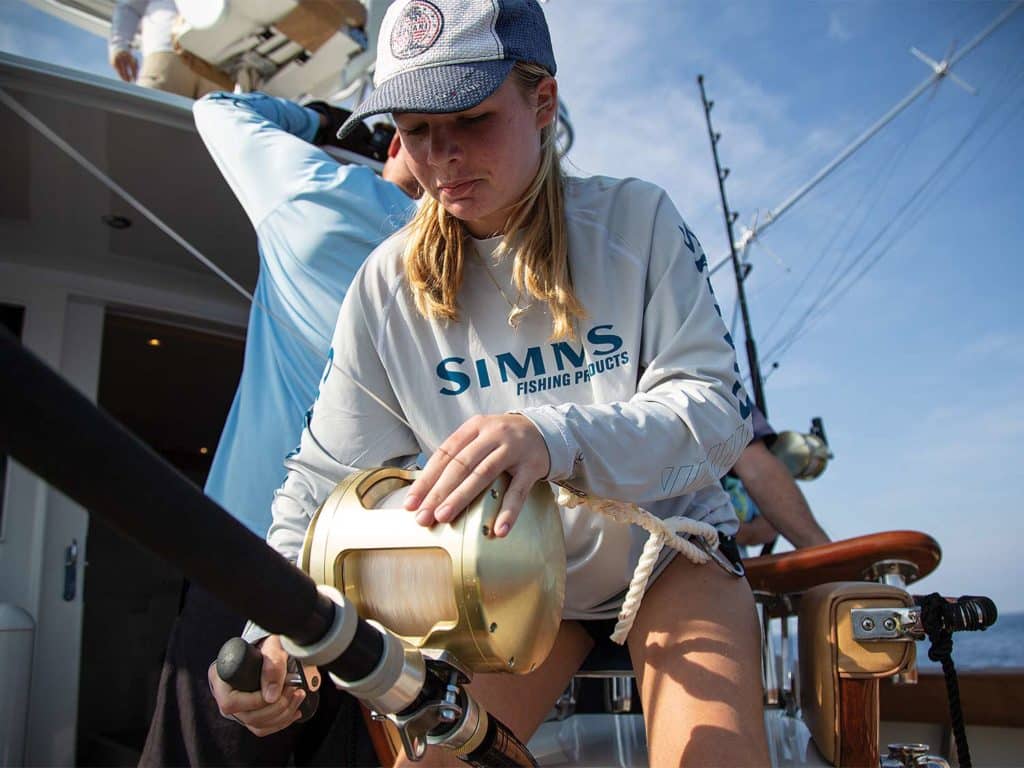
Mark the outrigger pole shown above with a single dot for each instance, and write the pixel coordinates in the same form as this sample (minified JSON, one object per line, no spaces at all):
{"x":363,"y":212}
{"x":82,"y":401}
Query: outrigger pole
{"x":730,"y":218}
{"x":55,"y":432}
{"x":940,"y":70}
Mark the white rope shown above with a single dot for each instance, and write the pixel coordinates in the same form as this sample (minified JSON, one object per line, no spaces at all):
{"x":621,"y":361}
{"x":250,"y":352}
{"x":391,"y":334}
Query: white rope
{"x":663,"y":533}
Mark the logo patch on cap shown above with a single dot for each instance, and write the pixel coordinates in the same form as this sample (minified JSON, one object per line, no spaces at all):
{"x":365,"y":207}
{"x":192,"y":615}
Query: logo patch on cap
{"x":416,"y":29}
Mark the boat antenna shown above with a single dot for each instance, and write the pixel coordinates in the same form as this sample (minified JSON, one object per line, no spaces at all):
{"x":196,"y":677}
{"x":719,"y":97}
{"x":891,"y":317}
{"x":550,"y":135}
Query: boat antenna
{"x":940,"y":70}
{"x":730,"y":217}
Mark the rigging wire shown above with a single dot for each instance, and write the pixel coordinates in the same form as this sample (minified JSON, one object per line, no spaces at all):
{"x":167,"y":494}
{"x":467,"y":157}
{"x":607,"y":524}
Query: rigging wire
{"x":876,"y":184}
{"x":893,"y":164}
{"x":994,"y":102}
{"x":940,"y":70}
{"x":915,"y":217}
{"x":835,"y":291}
{"x":835,"y":184}
{"x":929,"y":200}
{"x":735,"y":314}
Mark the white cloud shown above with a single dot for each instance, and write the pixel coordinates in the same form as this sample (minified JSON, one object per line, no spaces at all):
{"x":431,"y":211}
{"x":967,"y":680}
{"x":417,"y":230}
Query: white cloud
{"x":870,"y":366}
{"x":994,"y":348}
{"x":951,"y":472}
{"x":637,"y":112}
{"x":837,"y":28}
{"x":799,"y":374}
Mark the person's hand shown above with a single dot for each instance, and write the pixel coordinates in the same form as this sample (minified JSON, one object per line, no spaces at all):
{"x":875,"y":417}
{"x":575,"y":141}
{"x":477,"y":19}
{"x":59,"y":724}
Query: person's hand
{"x":470,"y":459}
{"x":125,"y":65}
{"x":268,"y":710}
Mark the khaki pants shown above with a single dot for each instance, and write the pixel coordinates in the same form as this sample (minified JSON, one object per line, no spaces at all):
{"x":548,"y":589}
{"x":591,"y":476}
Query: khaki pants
{"x":165,"y":71}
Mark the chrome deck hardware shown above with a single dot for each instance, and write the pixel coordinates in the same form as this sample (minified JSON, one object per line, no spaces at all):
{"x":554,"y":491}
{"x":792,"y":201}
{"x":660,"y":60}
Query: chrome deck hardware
{"x":912,"y":756}
{"x":877,"y":624}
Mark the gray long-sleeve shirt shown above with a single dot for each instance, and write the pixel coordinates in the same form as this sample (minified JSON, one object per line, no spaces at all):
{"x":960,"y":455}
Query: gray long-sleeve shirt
{"x":646,"y":406}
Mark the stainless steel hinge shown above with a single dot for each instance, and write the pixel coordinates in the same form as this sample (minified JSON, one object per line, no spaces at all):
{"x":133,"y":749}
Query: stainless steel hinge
{"x":875,"y":624}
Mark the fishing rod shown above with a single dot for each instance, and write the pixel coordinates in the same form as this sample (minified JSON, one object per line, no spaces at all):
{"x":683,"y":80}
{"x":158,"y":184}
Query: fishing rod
{"x":57,"y":433}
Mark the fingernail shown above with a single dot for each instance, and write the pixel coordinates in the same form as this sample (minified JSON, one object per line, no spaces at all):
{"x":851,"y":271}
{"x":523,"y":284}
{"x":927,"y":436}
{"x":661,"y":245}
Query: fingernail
{"x":412,"y":501}
{"x":424,"y":517}
{"x":502,"y":529}
{"x":271,"y":694}
{"x":443,"y":514}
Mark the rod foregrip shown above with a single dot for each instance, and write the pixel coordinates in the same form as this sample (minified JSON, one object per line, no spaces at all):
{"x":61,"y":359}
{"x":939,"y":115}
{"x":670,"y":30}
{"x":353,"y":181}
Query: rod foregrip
{"x":240,"y":665}
{"x":500,"y":748}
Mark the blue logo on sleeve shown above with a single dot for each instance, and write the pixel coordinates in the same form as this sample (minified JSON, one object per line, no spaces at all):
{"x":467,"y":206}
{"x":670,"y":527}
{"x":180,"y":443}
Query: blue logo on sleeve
{"x":743,"y":403}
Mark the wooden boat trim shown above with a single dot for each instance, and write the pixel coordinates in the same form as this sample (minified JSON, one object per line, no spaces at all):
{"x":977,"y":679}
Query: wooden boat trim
{"x":858,"y":722}
{"x":848,"y":560}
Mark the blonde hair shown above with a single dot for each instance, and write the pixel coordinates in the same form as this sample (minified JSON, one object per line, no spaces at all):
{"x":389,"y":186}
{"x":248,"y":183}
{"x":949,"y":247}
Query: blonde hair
{"x":535,"y":232}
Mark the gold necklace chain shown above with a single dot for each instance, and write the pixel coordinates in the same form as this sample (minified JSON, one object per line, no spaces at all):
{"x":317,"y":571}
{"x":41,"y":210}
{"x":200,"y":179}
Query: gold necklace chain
{"x":517,"y":310}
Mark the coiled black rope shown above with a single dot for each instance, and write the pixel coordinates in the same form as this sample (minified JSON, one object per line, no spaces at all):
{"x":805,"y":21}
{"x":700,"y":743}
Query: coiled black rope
{"x":940,"y":619}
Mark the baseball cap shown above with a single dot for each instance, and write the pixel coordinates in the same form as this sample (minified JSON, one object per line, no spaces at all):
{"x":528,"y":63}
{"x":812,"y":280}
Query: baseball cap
{"x":438,"y":56}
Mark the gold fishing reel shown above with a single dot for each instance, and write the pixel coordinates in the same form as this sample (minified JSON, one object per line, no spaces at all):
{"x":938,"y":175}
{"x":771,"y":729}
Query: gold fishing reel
{"x":805,"y":455}
{"x":495,"y":604}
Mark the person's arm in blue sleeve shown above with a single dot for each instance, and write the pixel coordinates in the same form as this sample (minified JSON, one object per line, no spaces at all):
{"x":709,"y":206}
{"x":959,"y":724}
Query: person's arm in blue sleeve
{"x":261,"y":144}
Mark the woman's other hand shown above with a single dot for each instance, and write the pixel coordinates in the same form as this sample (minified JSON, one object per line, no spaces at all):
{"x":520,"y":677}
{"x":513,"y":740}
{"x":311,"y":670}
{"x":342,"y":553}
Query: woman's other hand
{"x":470,"y":459}
{"x":268,"y":710}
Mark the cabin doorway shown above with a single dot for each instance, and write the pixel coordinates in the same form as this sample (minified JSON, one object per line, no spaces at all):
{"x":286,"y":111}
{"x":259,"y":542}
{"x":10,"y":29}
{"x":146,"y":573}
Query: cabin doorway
{"x":12,"y":317}
{"x":171,"y":383}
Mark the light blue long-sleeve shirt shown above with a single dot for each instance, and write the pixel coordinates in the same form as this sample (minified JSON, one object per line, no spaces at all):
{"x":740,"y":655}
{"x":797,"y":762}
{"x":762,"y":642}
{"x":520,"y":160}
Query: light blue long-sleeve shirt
{"x":316,"y":222}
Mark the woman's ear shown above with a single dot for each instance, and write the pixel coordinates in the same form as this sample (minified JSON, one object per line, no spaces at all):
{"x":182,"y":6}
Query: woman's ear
{"x":547,"y":101}
{"x":396,"y":145}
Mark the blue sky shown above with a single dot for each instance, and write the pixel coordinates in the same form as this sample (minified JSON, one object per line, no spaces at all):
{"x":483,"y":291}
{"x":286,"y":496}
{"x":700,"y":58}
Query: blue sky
{"x":917,"y":368}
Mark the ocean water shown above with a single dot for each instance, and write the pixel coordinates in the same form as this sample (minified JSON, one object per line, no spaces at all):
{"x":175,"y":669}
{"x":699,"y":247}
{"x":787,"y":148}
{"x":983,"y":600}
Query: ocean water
{"x":1001,"y":645}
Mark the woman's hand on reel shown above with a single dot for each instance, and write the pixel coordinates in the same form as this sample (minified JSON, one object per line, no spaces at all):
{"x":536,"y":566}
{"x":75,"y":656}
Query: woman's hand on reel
{"x":268,"y":710}
{"x":470,"y":459}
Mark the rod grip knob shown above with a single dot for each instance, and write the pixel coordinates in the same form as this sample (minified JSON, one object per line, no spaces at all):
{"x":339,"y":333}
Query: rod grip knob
{"x":240,"y":665}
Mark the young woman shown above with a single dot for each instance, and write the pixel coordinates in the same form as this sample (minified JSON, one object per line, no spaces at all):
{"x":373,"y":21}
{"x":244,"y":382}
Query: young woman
{"x":556,"y":329}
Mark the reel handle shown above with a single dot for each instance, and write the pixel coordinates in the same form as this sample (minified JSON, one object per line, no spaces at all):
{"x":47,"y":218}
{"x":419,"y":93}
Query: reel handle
{"x":240,"y":665}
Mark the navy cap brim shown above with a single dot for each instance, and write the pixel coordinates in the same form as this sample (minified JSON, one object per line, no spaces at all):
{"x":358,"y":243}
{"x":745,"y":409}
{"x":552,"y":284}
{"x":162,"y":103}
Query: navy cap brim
{"x":433,"y":90}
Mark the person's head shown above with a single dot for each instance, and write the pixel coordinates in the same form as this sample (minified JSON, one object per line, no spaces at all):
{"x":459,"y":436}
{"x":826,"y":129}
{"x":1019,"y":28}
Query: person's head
{"x":470,"y":85}
{"x":396,"y":169}
{"x":479,"y":163}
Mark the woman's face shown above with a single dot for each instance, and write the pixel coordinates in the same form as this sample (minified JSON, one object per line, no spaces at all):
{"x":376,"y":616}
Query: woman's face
{"x":478,"y":163}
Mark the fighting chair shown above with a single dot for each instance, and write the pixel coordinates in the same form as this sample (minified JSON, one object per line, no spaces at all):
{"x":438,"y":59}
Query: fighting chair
{"x":834,"y":685}
{"x":838,"y":592}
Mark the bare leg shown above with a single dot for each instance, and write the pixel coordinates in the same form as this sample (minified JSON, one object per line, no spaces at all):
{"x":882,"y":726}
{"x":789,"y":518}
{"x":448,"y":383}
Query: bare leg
{"x":695,"y":649}
{"x":522,"y":701}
